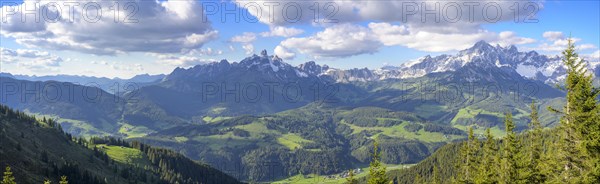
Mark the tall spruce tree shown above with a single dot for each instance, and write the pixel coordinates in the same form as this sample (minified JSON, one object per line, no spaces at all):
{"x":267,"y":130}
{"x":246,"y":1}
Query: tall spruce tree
{"x":534,"y":169}
{"x":8,"y":177}
{"x":488,"y":169}
{"x":470,"y":163}
{"x":376,"y":168}
{"x":578,"y":145}
{"x":510,"y":166}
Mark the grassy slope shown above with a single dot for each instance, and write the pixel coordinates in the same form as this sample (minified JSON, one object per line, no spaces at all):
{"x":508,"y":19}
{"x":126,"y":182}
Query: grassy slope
{"x":292,"y":141}
{"x":126,"y":155}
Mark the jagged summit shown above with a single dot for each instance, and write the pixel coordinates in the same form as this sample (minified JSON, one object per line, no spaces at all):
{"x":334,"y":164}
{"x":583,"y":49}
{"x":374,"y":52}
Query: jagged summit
{"x":313,"y":68}
{"x":481,"y":46}
{"x":263,"y":53}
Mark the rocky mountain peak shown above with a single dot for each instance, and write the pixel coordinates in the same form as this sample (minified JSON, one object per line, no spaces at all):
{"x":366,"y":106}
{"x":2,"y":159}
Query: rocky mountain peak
{"x":263,"y":53}
{"x":313,"y":68}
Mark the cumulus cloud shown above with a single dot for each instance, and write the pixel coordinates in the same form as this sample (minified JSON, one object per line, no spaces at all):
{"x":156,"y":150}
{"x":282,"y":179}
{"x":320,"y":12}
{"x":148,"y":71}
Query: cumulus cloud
{"x":205,"y":52}
{"x":33,"y":60}
{"x":595,"y":56}
{"x":134,"y":67}
{"x":31,"y":53}
{"x":422,"y":40}
{"x":553,"y":35}
{"x":7,"y":56}
{"x":452,"y":16}
{"x":249,"y":48}
{"x":245,"y":37}
{"x":246,"y":40}
{"x":282,"y":32}
{"x":506,"y":38}
{"x":556,"y":42}
{"x":156,"y":26}
{"x":342,"y":40}
{"x":348,"y":40}
{"x":181,"y":61}
{"x":284,"y":53}
{"x":30,"y":58}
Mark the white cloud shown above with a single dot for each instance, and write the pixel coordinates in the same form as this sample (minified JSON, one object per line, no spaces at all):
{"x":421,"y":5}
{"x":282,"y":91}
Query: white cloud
{"x":181,"y":61}
{"x":31,"y":59}
{"x":553,"y":35}
{"x":8,"y":52}
{"x":595,"y":56}
{"x":134,"y":67}
{"x":388,"y":29}
{"x":157,"y":26}
{"x":246,"y":40}
{"x":8,"y":55}
{"x":40,"y":63}
{"x":245,"y":37}
{"x":284,"y":53}
{"x":422,"y":40}
{"x":31,"y":53}
{"x":452,"y":16}
{"x":507,"y":38}
{"x":205,"y":52}
{"x":556,"y":42}
{"x":348,"y":40}
{"x":342,"y":40}
{"x":282,"y":32}
{"x":249,"y":48}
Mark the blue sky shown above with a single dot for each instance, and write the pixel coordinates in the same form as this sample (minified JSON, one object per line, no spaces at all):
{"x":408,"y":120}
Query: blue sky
{"x":371,"y":34}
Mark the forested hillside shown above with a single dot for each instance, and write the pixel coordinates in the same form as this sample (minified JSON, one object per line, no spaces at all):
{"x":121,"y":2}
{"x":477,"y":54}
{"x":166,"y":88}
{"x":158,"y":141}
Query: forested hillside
{"x":36,"y":150}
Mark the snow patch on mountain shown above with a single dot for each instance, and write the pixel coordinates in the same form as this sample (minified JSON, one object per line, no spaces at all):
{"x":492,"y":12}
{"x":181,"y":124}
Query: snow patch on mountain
{"x":527,"y":70}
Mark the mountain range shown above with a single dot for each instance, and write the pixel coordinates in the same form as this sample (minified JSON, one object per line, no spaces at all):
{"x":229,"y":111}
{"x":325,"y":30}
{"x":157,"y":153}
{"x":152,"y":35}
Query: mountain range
{"x":262,"y":109}
{"x":110,"y":85}
{"x":531,"y":64}
{"x":548,"y":69}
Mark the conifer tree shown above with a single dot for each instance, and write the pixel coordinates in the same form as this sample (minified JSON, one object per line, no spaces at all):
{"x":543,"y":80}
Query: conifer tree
{"x":578,"y":145}
{"x":469,"y":152}
{"x":534,"y":169}
{"x":509,"y":169}
{"x":488,"y":169}
{"x":8,"y":177}
{"x":376,"y":168}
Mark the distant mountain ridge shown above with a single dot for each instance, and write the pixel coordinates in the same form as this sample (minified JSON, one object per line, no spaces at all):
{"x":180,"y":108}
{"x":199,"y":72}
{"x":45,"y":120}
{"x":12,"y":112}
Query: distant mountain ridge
{"x":104,"y":83}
